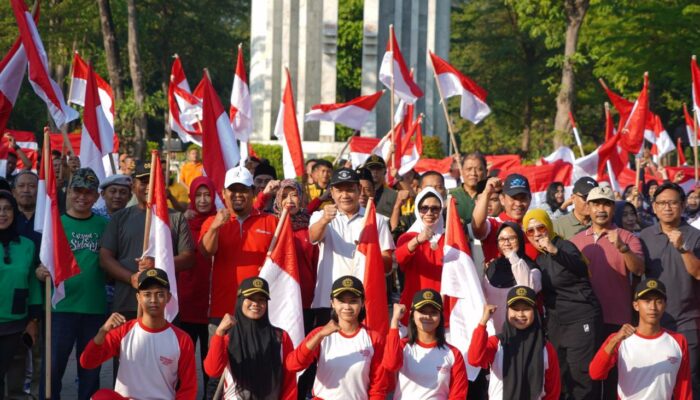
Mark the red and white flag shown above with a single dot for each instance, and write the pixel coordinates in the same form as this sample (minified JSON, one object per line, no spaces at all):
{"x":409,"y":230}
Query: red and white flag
{"x":241,"y":110}
{"x":281,"y":271}
{"x":352,"y":114}
{"x":184,"y":109}
{"x":662,"y":143}
{"x":160,"y":243}
{"x":55,"y":252}
{"x":577,"y":137}
{"x":411,"y":150}
{"x":39,"y":78}
{"x":78,"y":84}
{"x":596,"y":163}
{"x":681,"y":155}
{"x":361,"y":148}
{"x":689,"y":127}
{"x":27,"y":144}
{"x":370,"y":265}
{"x":695,"y":75}
{"x":287,"y":132}
{"x":632,"y":133}
{"x":461,"y":283}
{"x":97,"y":137}
{"x":624,"y":107}
{"x":219,"y":148}
{"x":12,"y":68}
{"x":453,"y":83}
{"x":394,"y":68}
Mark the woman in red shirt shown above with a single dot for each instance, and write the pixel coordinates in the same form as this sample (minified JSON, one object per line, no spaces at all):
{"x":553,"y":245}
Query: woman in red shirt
{"x":419,"y":250}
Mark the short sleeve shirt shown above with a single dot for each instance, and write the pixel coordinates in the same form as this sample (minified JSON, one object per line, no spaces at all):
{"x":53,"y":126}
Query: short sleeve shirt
{"x":567,"y":226}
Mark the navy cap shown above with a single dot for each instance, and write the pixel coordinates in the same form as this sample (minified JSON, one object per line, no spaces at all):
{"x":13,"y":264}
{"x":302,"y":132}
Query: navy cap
{"x":344,"y":175}
{"x":516,"y":184}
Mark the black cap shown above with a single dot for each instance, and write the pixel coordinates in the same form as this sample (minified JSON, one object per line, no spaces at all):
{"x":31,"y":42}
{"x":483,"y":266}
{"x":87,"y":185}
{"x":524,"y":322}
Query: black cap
{"x":649,"y":285}
{"x":264,"y":168}
{"x":364,"y":174}
{"x":154,"y":275}
{"x":142,"y":170}
{"x":254,"y":285}
{"x":426,"y":297}
{"x":521,"y":293}
{"x":584,"y":185}
{"x":344,"y":175}
{"x":516,"y":184}
{"x":347,"y":283}
{"x":375,"y":161}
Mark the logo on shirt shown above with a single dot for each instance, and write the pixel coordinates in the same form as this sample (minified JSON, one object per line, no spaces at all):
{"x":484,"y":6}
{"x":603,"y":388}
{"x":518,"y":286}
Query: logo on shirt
{"x":165,"y":360}
{"x":586,"y":328}
{"x":364,"y":353}
{"x":672,"y":359}
{"x":263,"y":232}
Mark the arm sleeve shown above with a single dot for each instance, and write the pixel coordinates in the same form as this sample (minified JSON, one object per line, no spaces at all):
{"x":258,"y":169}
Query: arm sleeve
{"x":570,"y":257}
{"x":536,"y":280}
{"x":313,"y":205}
{"x":386,"y":241}
{"x":683,"y":389}
{"x":552,"y":378}
{"x":521,"y":271}
{"x":94,"y":355}
{"x":205,"y":227}
{"x":184,"y":237}
{"x":403,"y":256}
{"x":482,"y":348}
{"x":289,"y":378}
{"x":393,"y":352}
{"x":315,"y":217}
{"x":186,"y":370}
{"x":459,"y":383}
{"x":110,"y":236}
{"x":602,"y":362}
{"x":216,"y":360}
{"x":377,"y":385}
{"x":302,"y":357}
{"x":260,"y":201}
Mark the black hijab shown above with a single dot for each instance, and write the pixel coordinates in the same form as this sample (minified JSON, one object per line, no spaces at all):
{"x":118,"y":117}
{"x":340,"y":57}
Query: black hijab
{"x":9,"y":234}
{"x":551,"y":200}
{"x":499,"y":272}
{"x":254,"y":356}
{"x":523,"y":360}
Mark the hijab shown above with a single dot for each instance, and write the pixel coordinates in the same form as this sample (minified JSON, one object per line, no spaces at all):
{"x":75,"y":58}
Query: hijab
{"x":551,"y":196}
{"x":499,"y":272}
{"x":523,"y":362}
{"x":9,"y":234}
{"x":418,"y":226}
{"x":254,"y":356}
{"x":619,"y":210}
{"x":542,"y":217}
{"x":195,"y":223}
{"x":300,"y":220}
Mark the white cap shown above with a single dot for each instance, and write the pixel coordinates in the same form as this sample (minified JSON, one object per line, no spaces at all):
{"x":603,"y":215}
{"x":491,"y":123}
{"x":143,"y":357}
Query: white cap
{"x":238,"y":175}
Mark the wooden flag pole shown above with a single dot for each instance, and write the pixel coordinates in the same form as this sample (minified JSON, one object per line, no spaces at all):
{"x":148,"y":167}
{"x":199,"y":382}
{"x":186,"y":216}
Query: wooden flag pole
{"x":678,"y":150}
{"x":453,"y":141}
{"x":345,"y":147}
{"x":695,"y":148}
{"x":149,"y":215}
{"x":637,"y":178}
{"x":46,"y":156}
{"x":390,"y":161}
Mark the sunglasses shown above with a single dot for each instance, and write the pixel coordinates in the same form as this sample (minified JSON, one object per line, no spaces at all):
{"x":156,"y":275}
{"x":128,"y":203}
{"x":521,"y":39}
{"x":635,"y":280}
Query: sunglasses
{"x":536,"y":229}
{"x":431,"y":209}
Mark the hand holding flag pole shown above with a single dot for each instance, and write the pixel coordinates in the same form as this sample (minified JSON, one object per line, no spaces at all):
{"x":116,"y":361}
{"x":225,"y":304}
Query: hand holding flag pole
{"x":46,"y":159}
{"x":149,"y":214}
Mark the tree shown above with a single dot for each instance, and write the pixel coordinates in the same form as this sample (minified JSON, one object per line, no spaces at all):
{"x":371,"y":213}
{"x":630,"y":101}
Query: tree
{"x":111,"y":47}
{"x":140,"y":122}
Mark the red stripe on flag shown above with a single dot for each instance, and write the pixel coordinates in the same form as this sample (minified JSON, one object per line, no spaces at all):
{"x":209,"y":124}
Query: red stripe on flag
{"x":374,"y":280}
{"x":291,"y":129}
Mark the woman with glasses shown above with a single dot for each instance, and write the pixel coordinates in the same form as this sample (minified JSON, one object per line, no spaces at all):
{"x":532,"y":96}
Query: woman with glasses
{"x":512,"y":268}
{"x":419,"y":250}
{"x":574,"y":318}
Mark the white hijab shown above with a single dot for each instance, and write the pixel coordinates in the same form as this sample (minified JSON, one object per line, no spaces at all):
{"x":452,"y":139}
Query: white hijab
{"x":418,"y":226}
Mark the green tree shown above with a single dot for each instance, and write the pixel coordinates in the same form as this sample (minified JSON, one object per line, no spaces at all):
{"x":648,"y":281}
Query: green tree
{"x":349,"y":58}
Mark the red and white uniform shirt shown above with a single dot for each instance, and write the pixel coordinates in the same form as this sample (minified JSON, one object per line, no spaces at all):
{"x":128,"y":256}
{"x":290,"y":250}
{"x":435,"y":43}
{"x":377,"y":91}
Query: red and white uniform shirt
{"x":655,"y":367}
{"x":425,"y":371}
{"x":151,"y":362}
{"x":349,"y":367}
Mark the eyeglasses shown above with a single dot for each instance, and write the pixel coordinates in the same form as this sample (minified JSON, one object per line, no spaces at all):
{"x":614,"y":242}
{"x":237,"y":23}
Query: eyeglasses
{"x":431,"y":209}
{"x":510,"y":239}
{"x":538,"y":229}
{"x":668,"y":203}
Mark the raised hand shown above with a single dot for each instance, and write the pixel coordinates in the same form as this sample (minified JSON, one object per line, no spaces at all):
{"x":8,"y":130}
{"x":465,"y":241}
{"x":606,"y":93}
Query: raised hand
{"x":489,"y":309}
{"x":227,"y":322}
{"x":399,"y":312}
{"x":329,"y":212}
{"x":223,"y":216}
{"x":114,"y":321}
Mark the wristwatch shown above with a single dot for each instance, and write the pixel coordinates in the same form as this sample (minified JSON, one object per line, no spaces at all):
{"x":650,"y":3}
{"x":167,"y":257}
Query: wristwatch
{"x":684,"y":249}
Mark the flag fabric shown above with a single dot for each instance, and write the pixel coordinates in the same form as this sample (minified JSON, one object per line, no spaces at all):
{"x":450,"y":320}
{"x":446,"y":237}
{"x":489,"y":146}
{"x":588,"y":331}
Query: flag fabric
{"x":39,"y":78}
{"x":443,"y":167}
{"x":663,"y":143}
{"x":352,"y":114}
{"x":12,"y":68}
{"x":689,"y":127}
{"x":219,"y":149}
{"x":370,"y":265}
{"x":681,"y":155}
{"x":27,"y":144}
{"x":540,"y":176}
{"x":97,"y":137}
{"x":184,"y":109}
{"x":287,"y":132}
{"x":281,"y":271}
{"x":55,"y":252}
{"x":595,"y":164}
{"x":411,"y":151}
{"x":461,"y":283}
{"x":624,"y":107}
{"x":453,"y":83}
{"x":695,"y":75}
{"x":563,"y":153}
{"x":394,"y":68}
{"x":160,"y":243}
{"x":241,"y":109}
{"x":78,"y":84}
{"x":503,"y":161}
{"x":632,"y":133}
{"x":361,"y":148}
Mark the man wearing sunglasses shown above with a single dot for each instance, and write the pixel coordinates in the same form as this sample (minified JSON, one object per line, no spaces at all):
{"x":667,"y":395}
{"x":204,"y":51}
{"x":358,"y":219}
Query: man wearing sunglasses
{"x":671,"y":252}
{"x":574,"y":222}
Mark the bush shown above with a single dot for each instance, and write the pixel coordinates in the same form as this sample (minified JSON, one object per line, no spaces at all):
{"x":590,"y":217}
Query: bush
{"x":273,"y":153}
{"x":433,"y":147}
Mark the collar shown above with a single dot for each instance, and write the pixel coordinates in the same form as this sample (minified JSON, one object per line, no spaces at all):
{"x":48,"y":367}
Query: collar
{"x":507,"y":218}
{"x":589,"y":231}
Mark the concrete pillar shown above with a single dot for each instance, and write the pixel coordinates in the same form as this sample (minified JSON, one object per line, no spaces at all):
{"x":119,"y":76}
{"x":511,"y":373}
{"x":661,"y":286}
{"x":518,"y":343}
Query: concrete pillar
{"x":438,"y":28}
{"x":329,"y":55}
{"x":308,"y":87}
{"x":372,"y":51}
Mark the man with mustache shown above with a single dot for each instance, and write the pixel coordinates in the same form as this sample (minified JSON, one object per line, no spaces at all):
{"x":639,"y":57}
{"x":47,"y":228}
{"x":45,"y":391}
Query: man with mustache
{"x":613,"y":254}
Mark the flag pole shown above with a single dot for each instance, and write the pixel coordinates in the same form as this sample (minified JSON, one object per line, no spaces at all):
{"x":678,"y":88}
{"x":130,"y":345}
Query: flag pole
{"x":149,"y":216}
{"x":345,"y":147}
{"x":390,"y":161}
{"x":637,"y":178}
{"x":278,"y":229}
{"x":47,"y":282}
{"x":453,"y":141}
{"x":576,"y":135}
{"x":695,"y":148}
{"x":678,"y":150}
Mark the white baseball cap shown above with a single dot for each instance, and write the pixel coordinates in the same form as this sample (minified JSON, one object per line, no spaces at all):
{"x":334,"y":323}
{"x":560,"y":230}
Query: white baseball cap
{"x":238,"y":175}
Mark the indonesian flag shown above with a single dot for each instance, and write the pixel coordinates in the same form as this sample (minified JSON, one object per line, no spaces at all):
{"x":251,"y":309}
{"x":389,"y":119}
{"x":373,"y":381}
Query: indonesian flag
{"x":695,"y":74}
{"x":595,"y":164}
{"x":368,"y":260}
{"x":411,"y":151}
{"x":453,"y":83}
{"x":160,"y":243}
{"x":55,"y":252}
{"x":632,"y":133}
{"x":577,"y":137}
{"x":461,"y":283}
{"x":287,"y":132}
{"x":689,"y":127}
{"x":663,"y":143}
{"x":241,"y":110}
{"x":563,"y":153}
{"x":281,"y":271}
{"x":97,"y":137}
{"x":624,"y":107}
{"x":361,"y":148}
{"x":219,"y":149}
{"x":39,"y":77}
{"x":394,"y":68}
{"x":184,"y":109}
{"x":441,"y":166}
{"x":79,"y":82}
{"x":352,"y":114}
{"x":12,"y":68}
{"x":27,"y":144}
{"x":503,"y":161}
{"x":681,"y":156}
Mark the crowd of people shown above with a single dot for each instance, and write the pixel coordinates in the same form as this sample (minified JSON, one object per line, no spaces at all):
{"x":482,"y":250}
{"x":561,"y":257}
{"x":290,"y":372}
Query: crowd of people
{"x":595,"y":295}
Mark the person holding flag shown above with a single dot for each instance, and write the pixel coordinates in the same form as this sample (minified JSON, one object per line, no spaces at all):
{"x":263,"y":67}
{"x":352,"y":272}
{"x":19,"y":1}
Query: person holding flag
{"x":249,"y":351}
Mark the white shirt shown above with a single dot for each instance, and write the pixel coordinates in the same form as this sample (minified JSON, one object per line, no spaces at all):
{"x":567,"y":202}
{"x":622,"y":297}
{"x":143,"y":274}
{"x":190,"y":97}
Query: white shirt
{"x":337,"y":250}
